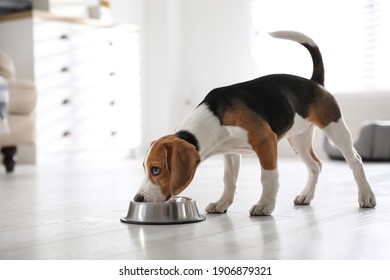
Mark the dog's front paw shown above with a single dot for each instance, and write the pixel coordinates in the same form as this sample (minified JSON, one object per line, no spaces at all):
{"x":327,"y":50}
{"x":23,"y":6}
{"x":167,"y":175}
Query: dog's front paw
{"x":218,"y":207}
{"x":261,"y":209}
{"x":367,"y":200}
{"x":303,"y":199}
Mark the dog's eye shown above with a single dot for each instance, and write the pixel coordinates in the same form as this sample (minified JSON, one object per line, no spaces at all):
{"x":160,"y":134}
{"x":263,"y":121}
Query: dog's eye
{"x":155,"y":170}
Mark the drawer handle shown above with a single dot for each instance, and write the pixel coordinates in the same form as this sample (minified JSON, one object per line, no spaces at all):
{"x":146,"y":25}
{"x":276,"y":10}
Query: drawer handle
{"x":66,"y":101}
{"x":112,"y":102}
{"x":67,"y":133}
{"x":64,"y":37}
{"x":64,"y":69}
{"x":112,"y":74}
{"x":114,"y":133}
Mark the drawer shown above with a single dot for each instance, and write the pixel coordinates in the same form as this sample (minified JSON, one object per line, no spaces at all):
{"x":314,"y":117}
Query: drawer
{"x":71,"y":135}
{"x":50,"y":38}
{"x":86,"y":36}
{"x":61,"y":71}
{"x":56,"y":105}
{"x":96,"y":51}
{"x":88,"y":73}
{"x":59,"y":64}
{"x":53,"y":137}
{"x":50,"y":48}
{"x":124,"y":137}
{"x":64,"y":102}
{"x":46,"y":29}
{"x":79,"y":41}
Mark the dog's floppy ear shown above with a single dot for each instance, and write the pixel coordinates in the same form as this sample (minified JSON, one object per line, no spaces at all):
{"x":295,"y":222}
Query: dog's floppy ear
{"x":182,"y":160}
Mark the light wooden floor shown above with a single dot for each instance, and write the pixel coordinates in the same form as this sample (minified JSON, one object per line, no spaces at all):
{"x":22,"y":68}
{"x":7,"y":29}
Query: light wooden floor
{"x":73,"y":212}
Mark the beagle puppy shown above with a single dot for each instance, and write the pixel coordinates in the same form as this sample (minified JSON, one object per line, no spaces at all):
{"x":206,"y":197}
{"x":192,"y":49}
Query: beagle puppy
{"x":251,"y":117}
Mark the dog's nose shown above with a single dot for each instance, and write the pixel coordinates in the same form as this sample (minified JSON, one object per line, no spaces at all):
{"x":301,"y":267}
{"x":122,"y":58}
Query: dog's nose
{"x":139,"y":198}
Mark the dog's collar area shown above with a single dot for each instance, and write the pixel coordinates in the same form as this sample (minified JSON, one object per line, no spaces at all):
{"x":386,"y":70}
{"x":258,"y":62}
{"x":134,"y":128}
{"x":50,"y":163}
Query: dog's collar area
{"x":189,"y":137}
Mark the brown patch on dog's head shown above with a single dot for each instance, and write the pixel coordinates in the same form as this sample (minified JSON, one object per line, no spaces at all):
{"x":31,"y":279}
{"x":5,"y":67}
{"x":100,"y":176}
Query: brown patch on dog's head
{"x":171,"y":164}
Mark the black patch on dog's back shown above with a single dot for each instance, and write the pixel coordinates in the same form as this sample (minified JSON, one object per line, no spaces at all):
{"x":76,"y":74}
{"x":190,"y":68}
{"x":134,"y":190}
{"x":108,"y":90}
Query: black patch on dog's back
{"x":275,"y":98}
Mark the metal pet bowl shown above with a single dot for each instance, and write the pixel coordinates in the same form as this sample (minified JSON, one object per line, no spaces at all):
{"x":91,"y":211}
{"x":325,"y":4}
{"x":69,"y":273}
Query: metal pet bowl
{"x":177,"y":210}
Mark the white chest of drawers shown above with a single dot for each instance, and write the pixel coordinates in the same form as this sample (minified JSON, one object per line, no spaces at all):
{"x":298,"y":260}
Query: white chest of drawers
{"x":88,"y":82}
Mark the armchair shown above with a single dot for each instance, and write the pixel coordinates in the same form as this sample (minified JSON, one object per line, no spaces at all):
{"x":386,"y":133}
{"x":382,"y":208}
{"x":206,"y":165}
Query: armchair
{"x":21,"y":118}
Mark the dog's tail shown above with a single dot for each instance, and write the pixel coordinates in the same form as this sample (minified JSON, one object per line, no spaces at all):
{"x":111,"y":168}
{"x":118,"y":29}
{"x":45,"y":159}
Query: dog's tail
{"x":318,"y":65}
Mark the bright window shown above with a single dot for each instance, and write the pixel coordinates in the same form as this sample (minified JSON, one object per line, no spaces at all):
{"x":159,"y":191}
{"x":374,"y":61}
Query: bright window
{"x":353,"y":36}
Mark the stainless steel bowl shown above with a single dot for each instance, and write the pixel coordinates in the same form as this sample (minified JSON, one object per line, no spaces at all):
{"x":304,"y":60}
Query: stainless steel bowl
{"x":177,"y":210}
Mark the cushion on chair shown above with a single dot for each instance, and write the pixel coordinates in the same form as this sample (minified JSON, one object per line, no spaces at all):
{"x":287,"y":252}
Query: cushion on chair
{"x":20,"y":106}
{"x":7,"y":67}
{"x":22,"y":131}
{"x":22,"y":96}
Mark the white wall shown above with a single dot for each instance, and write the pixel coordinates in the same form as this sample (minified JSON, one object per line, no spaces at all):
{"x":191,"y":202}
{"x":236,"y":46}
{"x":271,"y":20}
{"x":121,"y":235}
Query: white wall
{"x":128,"y":11}
{"x":216,"y":45}
{"x":162,"y":58}
{"x":192,"y":46}
{"x":189,"y":48}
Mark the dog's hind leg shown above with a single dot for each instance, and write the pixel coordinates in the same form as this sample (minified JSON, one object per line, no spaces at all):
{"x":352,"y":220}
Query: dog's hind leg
{"x":341,"y":137}
{"x":231,"y":169}
{"x":326,"y":114}
{"x":302,"y":145}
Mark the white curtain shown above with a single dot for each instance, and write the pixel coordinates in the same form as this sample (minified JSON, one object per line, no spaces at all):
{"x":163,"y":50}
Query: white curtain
{"x":353,"y":36}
